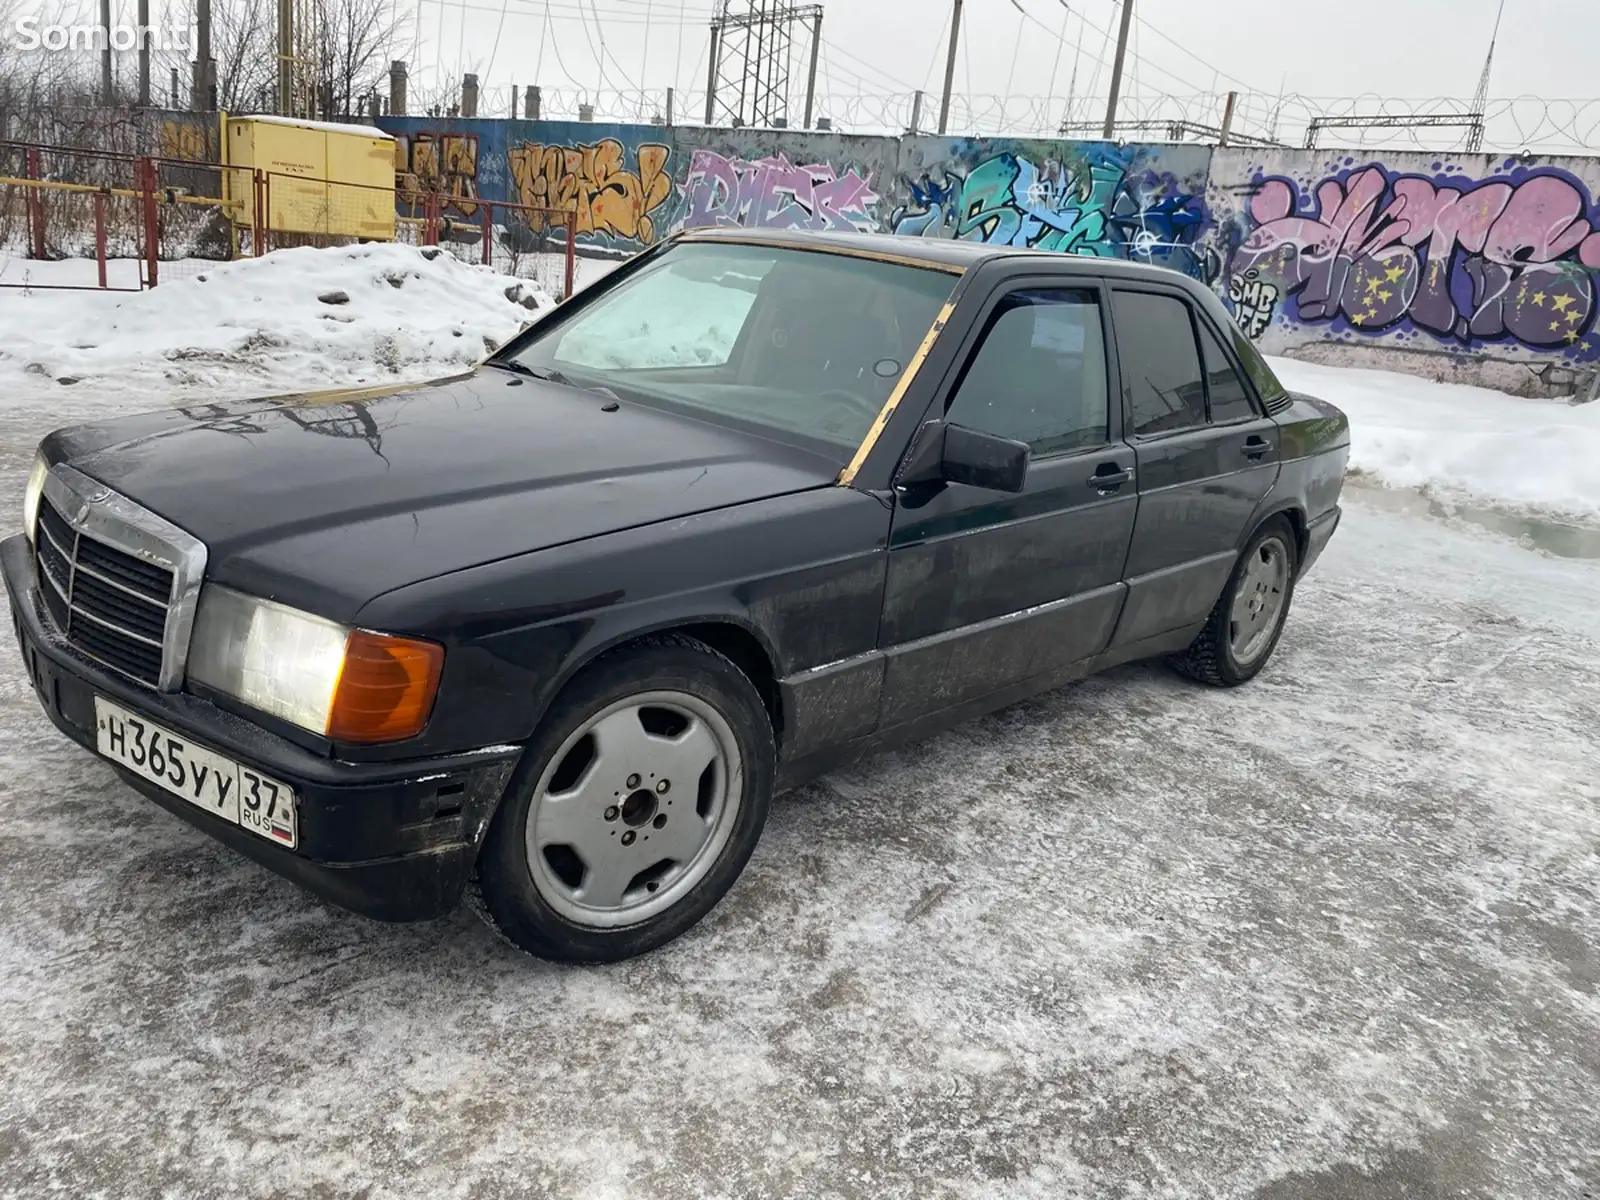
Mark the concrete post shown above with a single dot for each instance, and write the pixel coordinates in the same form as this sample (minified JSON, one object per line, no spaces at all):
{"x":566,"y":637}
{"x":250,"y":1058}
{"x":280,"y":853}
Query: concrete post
{"x":397,"y":88}
{"x":1227,"y":119}
{"x":469,"y":95}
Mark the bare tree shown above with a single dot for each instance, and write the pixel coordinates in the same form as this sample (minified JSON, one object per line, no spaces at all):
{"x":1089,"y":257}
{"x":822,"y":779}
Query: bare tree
{"x":243,"y":37}
{"x":357,"y":40}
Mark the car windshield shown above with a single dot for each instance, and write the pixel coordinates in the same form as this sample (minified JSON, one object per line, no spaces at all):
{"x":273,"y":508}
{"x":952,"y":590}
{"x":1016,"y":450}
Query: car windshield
{"x":801,"y":344}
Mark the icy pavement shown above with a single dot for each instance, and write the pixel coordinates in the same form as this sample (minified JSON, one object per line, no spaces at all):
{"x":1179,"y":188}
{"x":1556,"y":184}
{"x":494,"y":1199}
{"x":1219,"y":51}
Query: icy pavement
{"x":1331,"y":935}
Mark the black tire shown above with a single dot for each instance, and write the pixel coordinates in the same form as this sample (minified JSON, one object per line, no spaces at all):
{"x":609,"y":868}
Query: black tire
{"x":1210,"y":658}
{"x":505,"y":892}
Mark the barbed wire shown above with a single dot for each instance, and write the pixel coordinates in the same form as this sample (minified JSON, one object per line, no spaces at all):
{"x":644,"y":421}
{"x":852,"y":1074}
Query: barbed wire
{"x":1443,"y":124}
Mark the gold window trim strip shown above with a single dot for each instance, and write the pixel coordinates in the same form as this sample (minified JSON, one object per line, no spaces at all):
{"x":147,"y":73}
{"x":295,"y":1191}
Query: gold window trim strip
{"x":847,"y":476}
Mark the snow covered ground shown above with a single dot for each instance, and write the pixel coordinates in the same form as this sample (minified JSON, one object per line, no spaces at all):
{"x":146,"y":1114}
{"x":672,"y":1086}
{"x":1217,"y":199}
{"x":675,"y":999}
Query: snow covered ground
{"x":292,"y":320}
{"x":1464,"y":443}
{"x":1331,"y":935}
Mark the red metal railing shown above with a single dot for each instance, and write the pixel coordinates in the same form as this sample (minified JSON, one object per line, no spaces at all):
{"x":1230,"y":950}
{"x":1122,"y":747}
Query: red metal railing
{"x":148,"y":210}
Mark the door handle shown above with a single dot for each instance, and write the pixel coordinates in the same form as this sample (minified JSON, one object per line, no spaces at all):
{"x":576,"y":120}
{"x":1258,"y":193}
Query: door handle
{"x":1105,"y":481}
{"x":1255,"y":446}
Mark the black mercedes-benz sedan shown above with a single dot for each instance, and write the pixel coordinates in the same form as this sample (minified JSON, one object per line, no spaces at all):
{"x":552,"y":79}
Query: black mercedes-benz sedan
{"x":557,"y":629}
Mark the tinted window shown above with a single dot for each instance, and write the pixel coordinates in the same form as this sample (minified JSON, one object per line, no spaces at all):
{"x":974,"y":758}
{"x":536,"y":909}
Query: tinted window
{"x":1039,"y":375}
{"x":1230,"y":400}
{"x":1267,"y":385}
{"x":1160,"y":365}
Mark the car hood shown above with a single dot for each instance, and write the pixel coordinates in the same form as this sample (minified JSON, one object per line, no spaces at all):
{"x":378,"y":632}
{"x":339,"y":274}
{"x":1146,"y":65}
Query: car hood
{"x":327,"y":500}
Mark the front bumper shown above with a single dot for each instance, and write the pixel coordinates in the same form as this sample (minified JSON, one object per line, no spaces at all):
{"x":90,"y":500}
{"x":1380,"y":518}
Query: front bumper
{"x":393,"y":841}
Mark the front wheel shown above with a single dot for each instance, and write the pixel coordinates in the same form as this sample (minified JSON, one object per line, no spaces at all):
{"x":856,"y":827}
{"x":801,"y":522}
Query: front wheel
{"x":640,"y":800}
{"x":1245,"y":625}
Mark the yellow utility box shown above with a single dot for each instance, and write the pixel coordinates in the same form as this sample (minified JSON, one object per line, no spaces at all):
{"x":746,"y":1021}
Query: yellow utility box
{"x":320,"y":177}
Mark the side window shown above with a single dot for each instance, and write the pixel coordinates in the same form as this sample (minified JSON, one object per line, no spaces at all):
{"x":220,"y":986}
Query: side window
{"x":1230,"y":399}
{"x":1160,"y":363}
{"x":1267,"y":385}
{"x":1039,"y":375}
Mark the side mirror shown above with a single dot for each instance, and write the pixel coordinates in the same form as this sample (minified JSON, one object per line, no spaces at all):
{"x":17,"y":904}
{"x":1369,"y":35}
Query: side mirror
{"x":956,"y":454}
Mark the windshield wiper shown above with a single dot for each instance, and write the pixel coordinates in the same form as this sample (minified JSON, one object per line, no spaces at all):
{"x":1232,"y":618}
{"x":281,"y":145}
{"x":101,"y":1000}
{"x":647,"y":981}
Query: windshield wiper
{"x":548,"y":374}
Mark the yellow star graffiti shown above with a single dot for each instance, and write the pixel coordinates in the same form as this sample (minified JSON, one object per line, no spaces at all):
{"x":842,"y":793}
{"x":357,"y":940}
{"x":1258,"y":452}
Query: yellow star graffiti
{"x":1555,"y":326}
{"x":1373,"y":285}
{"x":1385,"y":294}
{"x":1561,"y":302}
{"x":1585,"y":346}
{"x":1538,"y":298}
{"x":1358,"y":318}
{"x":1395,"y":274}
{"x":1574,"y":315}
{"x":1572,"y":335}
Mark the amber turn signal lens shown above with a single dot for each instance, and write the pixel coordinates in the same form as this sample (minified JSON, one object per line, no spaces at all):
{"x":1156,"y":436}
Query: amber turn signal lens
{"x":386,"y":688}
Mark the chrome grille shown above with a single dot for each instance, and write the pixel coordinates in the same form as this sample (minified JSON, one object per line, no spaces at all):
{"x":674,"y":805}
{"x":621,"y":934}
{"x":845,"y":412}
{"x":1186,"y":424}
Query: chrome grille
{"x":119,"y":582}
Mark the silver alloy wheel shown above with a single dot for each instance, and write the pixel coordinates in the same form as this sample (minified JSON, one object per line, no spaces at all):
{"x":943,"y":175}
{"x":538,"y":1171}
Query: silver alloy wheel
{"x":1258,"y":604}
{"x":634,"y":809}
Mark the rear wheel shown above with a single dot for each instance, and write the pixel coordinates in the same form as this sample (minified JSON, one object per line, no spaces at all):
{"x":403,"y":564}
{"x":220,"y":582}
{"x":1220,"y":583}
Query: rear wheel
{"x":1245,"y":625}
{"x":638,"y":804}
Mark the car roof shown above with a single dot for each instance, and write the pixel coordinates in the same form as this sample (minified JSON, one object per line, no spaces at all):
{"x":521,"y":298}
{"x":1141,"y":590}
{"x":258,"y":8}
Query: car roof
{"x":942,"y":253}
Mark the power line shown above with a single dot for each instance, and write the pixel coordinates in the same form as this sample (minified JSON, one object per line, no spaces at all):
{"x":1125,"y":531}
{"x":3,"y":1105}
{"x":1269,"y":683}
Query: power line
{"x":1061,"y":45}
{"x":911,"y":87}
{"x":1209,"y":66}
{"x":599,"y":60}
{"x":933,"y":61}
{"x":1152,"y":65}
{"x":1011,"y":75}
{"x":495,"y":50}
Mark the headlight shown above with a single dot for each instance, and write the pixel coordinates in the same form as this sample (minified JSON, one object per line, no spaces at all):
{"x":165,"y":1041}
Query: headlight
{"x":30,"y":498}
{"x":348,"y":684}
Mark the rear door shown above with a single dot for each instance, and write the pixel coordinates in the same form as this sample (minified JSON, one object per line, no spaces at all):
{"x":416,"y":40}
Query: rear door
{"x":1206,"y":457}
{"x":987,"y":589}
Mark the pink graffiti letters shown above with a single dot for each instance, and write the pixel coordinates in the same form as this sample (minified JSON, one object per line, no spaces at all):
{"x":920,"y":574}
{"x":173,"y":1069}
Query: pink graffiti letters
{"x":1508,"y":258}
{"x":772,"y":193}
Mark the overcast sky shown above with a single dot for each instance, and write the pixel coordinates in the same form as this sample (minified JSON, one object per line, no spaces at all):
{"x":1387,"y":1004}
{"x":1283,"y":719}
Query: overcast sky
{"x":1391,"y":48}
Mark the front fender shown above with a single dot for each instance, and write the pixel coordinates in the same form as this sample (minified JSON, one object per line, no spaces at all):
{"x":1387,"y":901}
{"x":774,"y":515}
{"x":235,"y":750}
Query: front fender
{"x":802,"y":575}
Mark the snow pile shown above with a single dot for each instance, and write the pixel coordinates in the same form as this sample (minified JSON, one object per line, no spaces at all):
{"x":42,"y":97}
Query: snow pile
{"x":1463,"y":443}
{"x":293,"y":319}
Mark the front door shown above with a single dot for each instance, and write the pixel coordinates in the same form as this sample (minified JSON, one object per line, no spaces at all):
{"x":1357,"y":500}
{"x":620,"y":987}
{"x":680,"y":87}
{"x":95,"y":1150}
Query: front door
{"x":1207,"y":456}
{"x":986,"y":589}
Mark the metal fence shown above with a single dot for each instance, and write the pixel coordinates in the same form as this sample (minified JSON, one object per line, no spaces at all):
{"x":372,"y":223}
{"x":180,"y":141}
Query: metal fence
{"x":142,"y":220}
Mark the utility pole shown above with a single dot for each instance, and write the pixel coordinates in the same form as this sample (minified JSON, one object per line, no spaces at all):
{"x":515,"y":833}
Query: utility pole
{"x":1116,"y":69}
{"x":950,"y":68}
{"x":1227,"y":119}
{"x":144,"y":54}
{"x":204,"y":97}
{"x":711,"y":72}
{"x":105,"y":55}
{"x":816,"y":48}
{"x":285,"y":58}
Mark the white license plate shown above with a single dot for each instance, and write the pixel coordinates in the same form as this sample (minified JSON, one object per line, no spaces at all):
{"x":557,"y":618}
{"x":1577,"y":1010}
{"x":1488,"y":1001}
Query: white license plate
{"x":204,"y":778}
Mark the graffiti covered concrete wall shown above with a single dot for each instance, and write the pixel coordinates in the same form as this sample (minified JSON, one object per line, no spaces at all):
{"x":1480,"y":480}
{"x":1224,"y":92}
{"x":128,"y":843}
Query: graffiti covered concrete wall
{"x":797,"y":180}
{"x":1487,"y":264}
{"x":1143,"y":203}
{"x":1481,"y":268}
